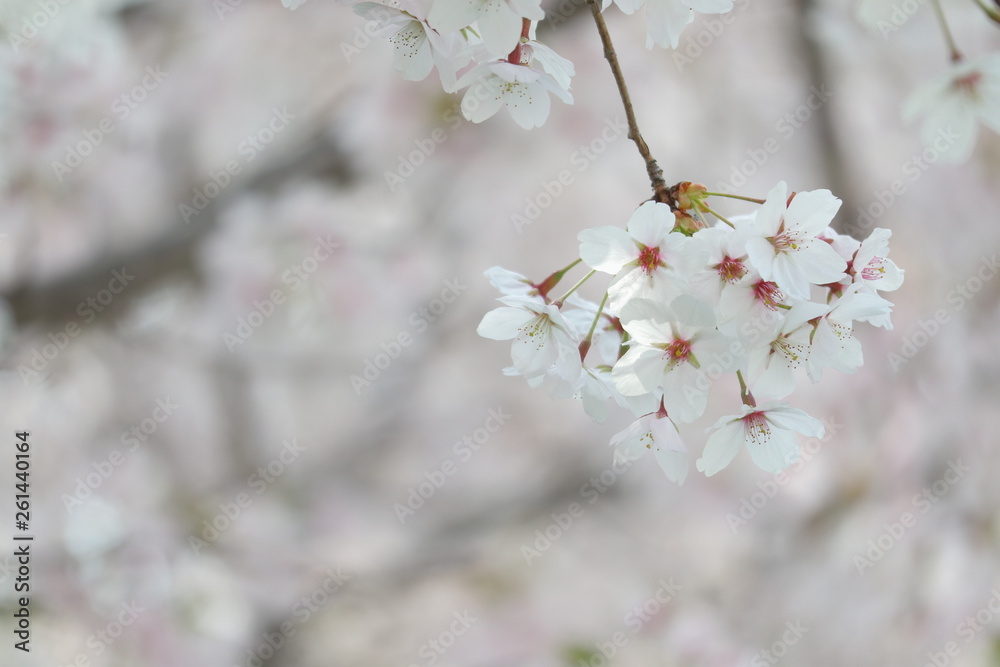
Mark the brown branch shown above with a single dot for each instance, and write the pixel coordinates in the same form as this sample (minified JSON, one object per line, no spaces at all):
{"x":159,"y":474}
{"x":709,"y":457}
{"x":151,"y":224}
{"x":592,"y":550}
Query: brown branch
{"x":660,"y":190}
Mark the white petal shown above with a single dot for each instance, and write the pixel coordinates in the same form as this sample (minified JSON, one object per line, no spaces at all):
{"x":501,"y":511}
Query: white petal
{"x":413,"y":57}
{"x":499,"y":27}
{"x":481,"y":101}
{"x":692,"y":312}
{"x":761,"y":255}
{"x":674,"y":464}
{"x":666,"y":20}
{"x":789,"y":276}
{"x":821,"y":264}
{"x":774,"y":452}
{"x":606,"y":249}
{"x":721,"y":447}
{"x":534,"y":350}
{"x":795,"y":420}
{"x":529,"y":9}
{"x":639,"y":371}
{"x":769,"y":215}
{"x":528,"y":104}
{"x":595,"y":398}
{"x":453,"y":15}
{"x":684,"y":399}
{"x":650,"y":223}
{"x":810,"y":212}
{"x":507,"y":282}
{"x":503,"y":323}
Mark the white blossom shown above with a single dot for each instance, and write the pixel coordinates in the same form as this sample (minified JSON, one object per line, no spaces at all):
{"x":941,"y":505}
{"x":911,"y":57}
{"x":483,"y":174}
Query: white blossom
{"x":954,"y":103}
{"x":785,"y":247}
{"x":768,"y":433}
{"x":657,"y":434}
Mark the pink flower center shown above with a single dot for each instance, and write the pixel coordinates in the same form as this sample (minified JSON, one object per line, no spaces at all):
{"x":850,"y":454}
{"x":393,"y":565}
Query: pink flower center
{"x":730,"y":270}
{"x":649,"y":259}
{"x":756,"y":428}
{"x":768,"y":294}
{"x":875,"y":269}
{"x":969,"y":84}
{"x":786,"y":241}
{"x":678,"y":352}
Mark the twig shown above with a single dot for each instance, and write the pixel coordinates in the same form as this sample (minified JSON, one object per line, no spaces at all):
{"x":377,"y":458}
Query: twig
{"x":946,"y":31}
{"x":660,"y":190}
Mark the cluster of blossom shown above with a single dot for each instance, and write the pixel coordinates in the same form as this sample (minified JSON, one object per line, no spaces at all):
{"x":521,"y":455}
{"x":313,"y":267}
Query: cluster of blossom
{"x":489,"y":48}
{"x":753,"y":299}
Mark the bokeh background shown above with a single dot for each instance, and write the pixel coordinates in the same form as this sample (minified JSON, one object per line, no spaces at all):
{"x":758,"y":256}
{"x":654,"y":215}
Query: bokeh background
{"x":152,"y":417}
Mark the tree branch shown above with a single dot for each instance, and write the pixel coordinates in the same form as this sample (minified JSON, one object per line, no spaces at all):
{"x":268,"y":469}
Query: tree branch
{"x":660,"y":190}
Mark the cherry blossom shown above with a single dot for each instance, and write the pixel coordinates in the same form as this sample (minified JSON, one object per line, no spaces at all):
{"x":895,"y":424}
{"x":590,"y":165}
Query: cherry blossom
{"x":954,"y":103}
{"x":871,"y":266}
{"x":785,"y":248}
{"x":666,"y":19}
{"x":647,"y":259}
{"x":417,"y":47}
{"x":768,"y":433}
{"x":499,"y":22}
{"x":524,"y":91}
{"x":771,"y":367}
{"x":653,"y":433}
{"x":669,"y":345}
{"x":834,"y":344}
{"x":539,"y":331}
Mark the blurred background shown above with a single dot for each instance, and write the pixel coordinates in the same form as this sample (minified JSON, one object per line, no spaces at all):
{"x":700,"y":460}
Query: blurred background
{"x":241,"y":271}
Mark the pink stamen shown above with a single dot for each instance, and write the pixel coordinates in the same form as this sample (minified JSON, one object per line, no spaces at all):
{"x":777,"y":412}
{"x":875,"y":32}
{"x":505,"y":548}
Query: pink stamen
{"x":969,"y":84}
{"x":677,"y":352}
{"x":768,"y":294}
{"x":757,"y":428}
{"x":875,"y":269}
{"x":730,"y":270}
{"x":649,"y":259}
